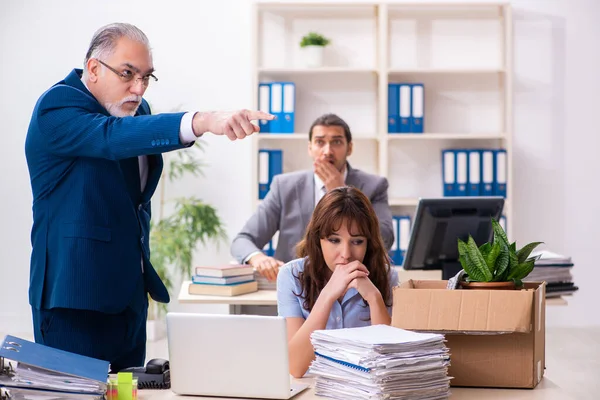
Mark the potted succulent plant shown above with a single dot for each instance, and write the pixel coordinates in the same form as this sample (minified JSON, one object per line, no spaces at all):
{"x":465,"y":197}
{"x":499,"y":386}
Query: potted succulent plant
{"x":495,"y":265}
{"x":313,"y":44}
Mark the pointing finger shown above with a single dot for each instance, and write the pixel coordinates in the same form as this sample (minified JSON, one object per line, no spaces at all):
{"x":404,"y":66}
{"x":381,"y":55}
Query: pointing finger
{"x":253,"y":115}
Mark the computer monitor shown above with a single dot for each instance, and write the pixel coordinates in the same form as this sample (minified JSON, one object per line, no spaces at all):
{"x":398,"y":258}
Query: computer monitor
{"x":439,"y":222}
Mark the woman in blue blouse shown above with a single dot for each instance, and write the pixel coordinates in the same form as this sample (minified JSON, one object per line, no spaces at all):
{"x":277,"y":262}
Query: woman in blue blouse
{"x":343,"y":278}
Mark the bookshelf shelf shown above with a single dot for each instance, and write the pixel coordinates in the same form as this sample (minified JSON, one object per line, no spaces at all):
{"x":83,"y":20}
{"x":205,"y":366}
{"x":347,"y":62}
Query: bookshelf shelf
{"x":282,"y":136}
{"x":304,"y":136}
{"x":460,"y":52}
{"x":446,"y":136}
{"x":318,"y":70}
{"x":446,"y":71}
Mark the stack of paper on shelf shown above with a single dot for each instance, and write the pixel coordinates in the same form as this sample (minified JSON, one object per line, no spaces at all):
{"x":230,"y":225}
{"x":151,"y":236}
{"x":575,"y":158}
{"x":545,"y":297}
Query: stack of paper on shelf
{"x":264,"y":283}
{"x":224,"y":280}
{"x":380,"y":362}
{"x":555,"y":270}
{"x":42,"y":372}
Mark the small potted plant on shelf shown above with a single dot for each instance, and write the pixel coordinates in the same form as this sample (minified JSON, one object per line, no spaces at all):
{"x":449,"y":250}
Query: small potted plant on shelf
{"x":495,"y":265}
{"x":313,"y":45}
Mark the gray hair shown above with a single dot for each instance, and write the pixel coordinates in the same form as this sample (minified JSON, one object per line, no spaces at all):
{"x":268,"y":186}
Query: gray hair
{"x":105,"y":40}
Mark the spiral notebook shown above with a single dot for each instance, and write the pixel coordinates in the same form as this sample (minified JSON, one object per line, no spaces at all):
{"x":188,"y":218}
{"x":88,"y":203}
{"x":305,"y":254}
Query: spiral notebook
{"x":344,"y":363}
{"x":46,"y":369}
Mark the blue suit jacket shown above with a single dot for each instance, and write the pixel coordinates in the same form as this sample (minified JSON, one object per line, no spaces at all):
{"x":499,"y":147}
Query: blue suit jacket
{"x":90,"y":218}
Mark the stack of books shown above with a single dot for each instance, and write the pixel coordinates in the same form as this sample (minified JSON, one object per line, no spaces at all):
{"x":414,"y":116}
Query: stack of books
{"x":223,"y":280}
{"x":555,"y":270}
{"x":380,"y":362}
{"x":264,"y":283}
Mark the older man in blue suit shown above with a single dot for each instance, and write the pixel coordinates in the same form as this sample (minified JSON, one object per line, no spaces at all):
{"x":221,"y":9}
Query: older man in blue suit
{"x":93,"y":153}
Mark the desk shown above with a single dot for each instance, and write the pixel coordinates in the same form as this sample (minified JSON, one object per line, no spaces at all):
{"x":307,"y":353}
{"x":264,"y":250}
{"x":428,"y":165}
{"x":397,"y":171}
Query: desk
{"x":269,"y":297}
{"x":572,"y":370}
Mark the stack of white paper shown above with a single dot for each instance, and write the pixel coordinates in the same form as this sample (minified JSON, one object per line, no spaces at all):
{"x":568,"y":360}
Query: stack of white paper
{"x":380,"y":362}
{"x":546,"y":257}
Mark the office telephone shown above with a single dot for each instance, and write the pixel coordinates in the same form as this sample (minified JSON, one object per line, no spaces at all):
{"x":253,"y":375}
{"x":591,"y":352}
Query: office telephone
{"x":155,"y":375}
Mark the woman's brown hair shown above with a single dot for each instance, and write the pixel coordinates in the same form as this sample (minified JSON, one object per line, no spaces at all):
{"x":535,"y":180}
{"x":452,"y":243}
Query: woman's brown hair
{"x":350,"y":205}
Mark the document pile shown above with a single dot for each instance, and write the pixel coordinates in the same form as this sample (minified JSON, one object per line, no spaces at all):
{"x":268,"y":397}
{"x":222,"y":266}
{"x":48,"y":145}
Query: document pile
{"x":45,"y":373}
{"x":555,"y":270}
{"x":380,"y":362}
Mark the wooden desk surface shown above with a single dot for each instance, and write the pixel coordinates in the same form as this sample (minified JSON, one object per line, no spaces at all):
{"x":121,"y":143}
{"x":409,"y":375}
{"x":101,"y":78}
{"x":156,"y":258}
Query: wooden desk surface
{"x":572,"y":371}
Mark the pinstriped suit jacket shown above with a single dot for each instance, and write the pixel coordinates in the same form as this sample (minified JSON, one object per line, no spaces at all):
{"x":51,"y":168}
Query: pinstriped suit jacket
{"x":90,"y":219}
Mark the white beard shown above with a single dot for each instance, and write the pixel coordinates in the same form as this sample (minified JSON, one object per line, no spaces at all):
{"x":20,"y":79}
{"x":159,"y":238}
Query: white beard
{"x":116,"y":109}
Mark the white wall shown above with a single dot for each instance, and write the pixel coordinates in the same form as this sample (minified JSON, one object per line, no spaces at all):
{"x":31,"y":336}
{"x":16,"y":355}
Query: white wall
{"x":557,"y":74}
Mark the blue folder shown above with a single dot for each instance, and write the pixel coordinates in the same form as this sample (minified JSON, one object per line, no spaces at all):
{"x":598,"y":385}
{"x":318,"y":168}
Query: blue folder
{"x":54,"y":361}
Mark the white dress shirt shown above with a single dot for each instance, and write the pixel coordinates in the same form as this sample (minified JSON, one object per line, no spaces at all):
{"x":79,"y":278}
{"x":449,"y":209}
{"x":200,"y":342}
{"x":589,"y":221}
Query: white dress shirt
{"x":319,"y":193}
{"x":320,"y":186}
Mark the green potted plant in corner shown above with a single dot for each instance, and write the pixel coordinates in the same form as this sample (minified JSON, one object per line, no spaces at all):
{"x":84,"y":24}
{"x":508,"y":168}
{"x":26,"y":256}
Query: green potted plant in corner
{"x":495,"y":265}
{"x":174,"y":237}
{"x":313,"y":45}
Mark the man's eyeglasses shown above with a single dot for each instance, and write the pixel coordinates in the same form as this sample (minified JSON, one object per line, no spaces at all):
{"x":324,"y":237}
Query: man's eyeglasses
{"x":128,"y":76}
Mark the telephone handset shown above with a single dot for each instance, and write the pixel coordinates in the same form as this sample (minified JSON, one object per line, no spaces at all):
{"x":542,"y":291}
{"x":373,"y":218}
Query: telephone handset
{"x":155,"y":375}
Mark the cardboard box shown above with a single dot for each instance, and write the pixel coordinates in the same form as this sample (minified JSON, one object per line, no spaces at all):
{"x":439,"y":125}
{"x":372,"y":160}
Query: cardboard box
{"x":496,"y":337}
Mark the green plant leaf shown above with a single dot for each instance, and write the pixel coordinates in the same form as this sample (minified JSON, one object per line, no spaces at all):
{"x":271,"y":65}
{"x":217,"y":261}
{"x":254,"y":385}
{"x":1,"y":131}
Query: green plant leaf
{"x":521,"y":270}
{"x":462,"y":247}
{"x":476,"y":262}
{"x":518,"y":282}
{"x":513,"y":247}
{"x":314,"y":39}
{"x":513,"y":261}
{"x":485,"y":249}
{"x":501,"y":271}
{"x":491,"y":256}
{"x":499,"y":234}
{"x":524,"y":252}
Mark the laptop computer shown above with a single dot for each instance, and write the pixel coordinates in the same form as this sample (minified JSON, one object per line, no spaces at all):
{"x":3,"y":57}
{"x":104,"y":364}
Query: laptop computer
{"x":229,"y":355}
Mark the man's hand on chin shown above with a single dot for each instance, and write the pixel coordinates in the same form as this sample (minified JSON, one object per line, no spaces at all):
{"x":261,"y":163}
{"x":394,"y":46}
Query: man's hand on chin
{"x":329,"y":174}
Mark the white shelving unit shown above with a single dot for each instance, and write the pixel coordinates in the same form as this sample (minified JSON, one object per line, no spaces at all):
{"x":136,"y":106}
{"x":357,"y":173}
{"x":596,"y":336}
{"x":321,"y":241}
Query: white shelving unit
{"x":461,"y":52}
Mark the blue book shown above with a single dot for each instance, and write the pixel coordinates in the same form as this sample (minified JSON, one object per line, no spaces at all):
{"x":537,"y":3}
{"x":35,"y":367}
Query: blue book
{"x":228,"y":280}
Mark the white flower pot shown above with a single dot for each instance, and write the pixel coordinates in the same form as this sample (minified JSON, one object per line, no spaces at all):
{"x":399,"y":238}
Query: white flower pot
{"x":313,"y":56}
